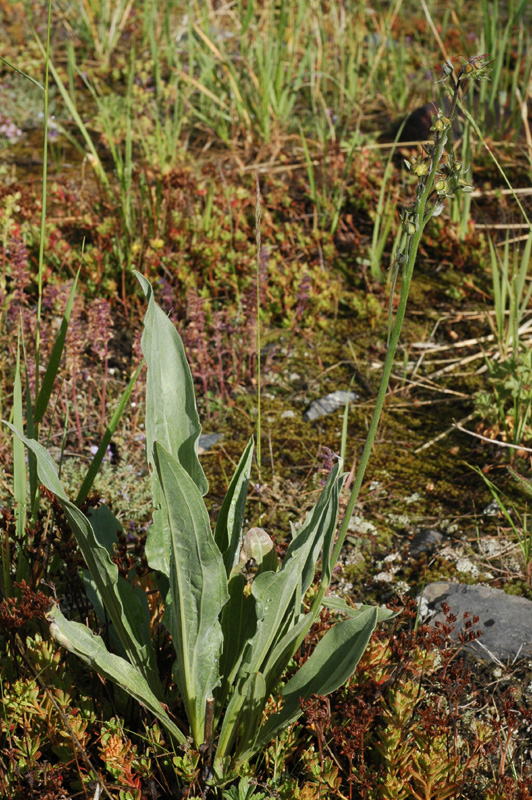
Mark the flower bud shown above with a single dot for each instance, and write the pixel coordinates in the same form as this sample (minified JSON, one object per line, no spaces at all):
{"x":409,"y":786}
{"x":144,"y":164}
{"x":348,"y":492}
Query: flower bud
{"x":441,"y":123}
{"x":420,"y":169}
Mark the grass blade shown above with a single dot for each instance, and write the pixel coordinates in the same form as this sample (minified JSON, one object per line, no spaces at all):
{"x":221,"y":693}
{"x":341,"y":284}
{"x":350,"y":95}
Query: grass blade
{"x":106,"y":439}
{"x":20,"y":487}
{"x":55,"y":359}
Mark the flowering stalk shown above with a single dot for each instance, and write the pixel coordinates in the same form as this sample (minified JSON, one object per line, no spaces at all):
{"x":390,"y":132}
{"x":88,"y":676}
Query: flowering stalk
{"x":435,"y":183}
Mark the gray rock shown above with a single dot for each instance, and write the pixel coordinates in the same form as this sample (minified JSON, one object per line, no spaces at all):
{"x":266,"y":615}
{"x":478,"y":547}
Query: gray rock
{"x":425,"y":541}
{"x":328,"y":404}
{"x":288,"y":414}
{"x":207,"y":440}
{"x":505,"y":620}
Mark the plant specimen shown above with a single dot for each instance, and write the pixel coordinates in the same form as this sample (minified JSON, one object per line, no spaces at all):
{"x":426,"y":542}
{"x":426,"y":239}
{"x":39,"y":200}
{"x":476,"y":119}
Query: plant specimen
{"x":509,"y":399}
{"x":437,"y":180}
{"x":411,"y":723}
{"x":511,"y":294}
{"x":236,"y":615}
{"x":233,"y":636}
{"x":518,"y":523}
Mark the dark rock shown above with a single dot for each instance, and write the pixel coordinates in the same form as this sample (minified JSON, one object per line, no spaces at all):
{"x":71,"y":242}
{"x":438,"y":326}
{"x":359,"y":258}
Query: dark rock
{"x":505,"y":620}
{"x":418,"y":123}
{"x":425,"y":541}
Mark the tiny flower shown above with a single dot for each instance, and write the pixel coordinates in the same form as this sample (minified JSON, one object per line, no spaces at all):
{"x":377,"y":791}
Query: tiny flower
{"x":442,"y":187}
{"x":440,"y":124}
{"x":447,"y":68}
{"x":476,"y":67}
{"x":108,"y":453}
{"x":420,"y":169}
{"x":464,"y":186}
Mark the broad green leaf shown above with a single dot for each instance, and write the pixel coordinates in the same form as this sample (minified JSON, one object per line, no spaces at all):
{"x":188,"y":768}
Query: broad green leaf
{"x":338,"y":604}
{"x":78,"y":639}
{"x":171,"y":416}
{"x":105,"y":525}
{"x":122,"y":613}
{"x":250,"y":716}
{"x":285,"y":649}
{"x":228,"y":531}
{"x":243,"y":715}
{"x":239,"y":624}
{"x":279,"y":595}
{"x":239,"y":616}
{"x":198,"y":589}
{"x":138,"y":612}
{"x":331,"y":664}
{"x":334,"y":659}
{"x":323,"y":518}
{"x":106,"y":529}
